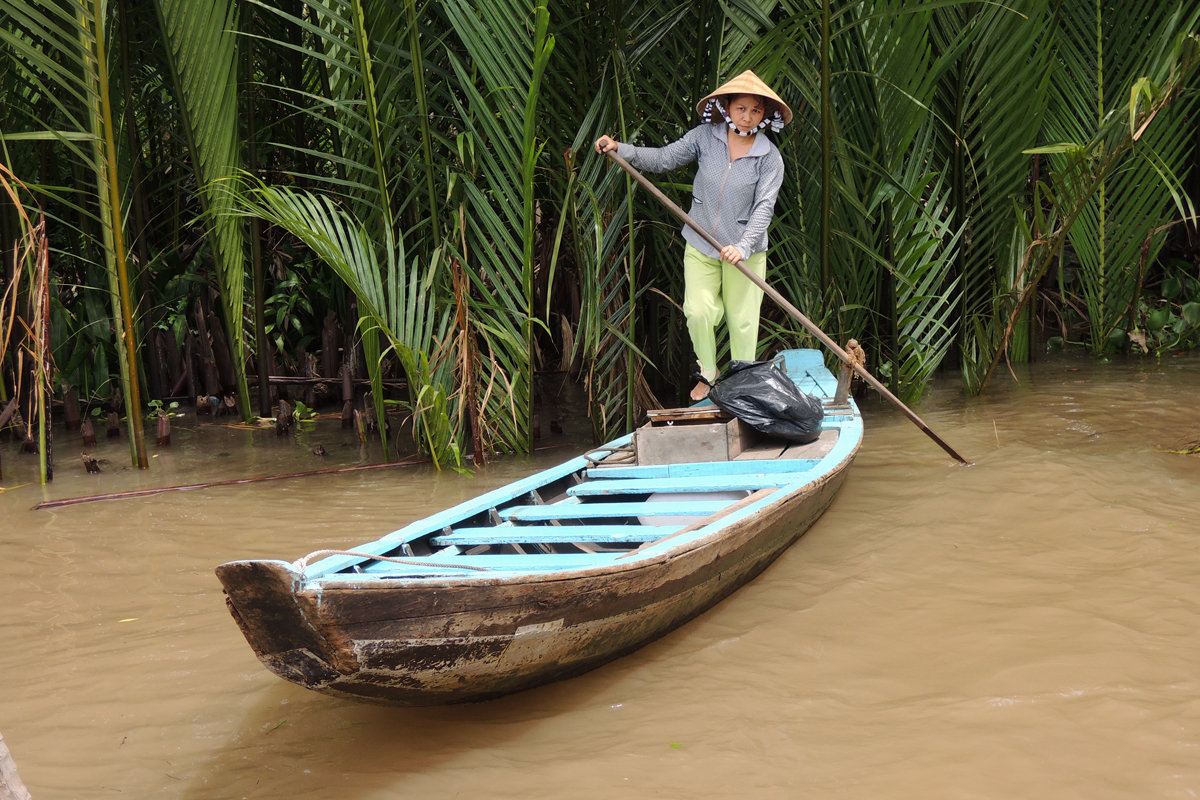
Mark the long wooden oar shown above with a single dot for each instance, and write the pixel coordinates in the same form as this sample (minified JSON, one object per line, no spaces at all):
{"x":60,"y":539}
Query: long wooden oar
{"x":785,"y":305}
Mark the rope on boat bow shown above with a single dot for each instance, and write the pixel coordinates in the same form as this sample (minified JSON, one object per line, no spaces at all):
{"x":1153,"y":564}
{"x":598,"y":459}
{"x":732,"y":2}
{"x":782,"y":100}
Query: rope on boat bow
{"x":611,"y":455}
{"x":856,"y":352}
{"x":302,"y":564}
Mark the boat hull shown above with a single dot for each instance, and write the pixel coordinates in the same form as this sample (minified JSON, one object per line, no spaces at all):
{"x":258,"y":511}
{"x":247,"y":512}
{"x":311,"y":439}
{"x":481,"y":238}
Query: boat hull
{"x":440,"y":641}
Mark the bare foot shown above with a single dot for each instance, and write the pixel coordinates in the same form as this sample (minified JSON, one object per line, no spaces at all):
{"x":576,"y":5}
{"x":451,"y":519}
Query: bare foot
{"x":699,"y":391}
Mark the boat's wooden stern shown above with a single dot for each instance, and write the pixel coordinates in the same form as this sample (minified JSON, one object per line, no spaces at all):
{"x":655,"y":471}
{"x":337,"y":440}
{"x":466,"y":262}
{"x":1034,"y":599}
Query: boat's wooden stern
{"x":261,"y":596}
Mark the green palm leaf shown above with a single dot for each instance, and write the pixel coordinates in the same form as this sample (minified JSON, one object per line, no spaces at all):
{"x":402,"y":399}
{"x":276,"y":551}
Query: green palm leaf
{"x":926,"y":293}
{"x":396,"y":300}
{"x":1102,"y":57}
{"x":1084,"y":169}
{"x":505,"y":49}
{"x":62,"y":50}
{"x":987,"y":129}
{"x":349,"y":95}
{"x":203,"y":54}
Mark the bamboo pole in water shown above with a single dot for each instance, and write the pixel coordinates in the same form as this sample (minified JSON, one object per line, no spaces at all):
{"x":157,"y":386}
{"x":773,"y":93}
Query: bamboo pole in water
{"x":109,"y":195}
{"x":71,"y":501}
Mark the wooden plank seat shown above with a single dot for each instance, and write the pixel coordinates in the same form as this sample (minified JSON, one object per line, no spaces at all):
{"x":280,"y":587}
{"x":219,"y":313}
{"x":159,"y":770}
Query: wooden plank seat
{"x":706,"y":469}
{"x":554,"y":534}
{"x":771,"y":449}
{"x":440,"y":563}
{"x":765,"y":451}
{"x":711,"y":483}
{"x":699,"y":508}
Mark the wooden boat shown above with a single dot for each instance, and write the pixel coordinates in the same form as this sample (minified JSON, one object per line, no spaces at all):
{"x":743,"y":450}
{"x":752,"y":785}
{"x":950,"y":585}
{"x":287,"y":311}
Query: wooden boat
{"x":554,"y":574}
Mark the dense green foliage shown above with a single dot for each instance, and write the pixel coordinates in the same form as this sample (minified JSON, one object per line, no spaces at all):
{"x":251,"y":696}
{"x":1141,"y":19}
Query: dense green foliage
{"x":963,"y":179}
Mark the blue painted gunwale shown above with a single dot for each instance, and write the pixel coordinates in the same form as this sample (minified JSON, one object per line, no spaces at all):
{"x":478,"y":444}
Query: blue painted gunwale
{"x":784,"y":477}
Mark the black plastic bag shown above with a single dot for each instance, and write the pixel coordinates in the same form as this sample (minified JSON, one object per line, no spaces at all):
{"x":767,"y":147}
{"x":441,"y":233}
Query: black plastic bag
{"x":763,"y":396}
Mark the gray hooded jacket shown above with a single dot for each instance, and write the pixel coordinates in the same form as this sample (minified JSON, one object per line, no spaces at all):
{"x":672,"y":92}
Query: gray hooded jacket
{"x":733,"y":201}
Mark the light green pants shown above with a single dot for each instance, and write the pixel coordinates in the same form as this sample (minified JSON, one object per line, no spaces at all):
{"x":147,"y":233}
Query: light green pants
{"x":715,"y":289}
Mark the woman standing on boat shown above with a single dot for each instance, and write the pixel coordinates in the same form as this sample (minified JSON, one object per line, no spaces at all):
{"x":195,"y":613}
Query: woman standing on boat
{"x":738,"y":175}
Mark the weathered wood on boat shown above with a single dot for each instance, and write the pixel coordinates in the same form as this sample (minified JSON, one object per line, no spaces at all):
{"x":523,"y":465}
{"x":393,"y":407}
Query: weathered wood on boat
{"x":545,"y":578}
{"x":710,"y":413}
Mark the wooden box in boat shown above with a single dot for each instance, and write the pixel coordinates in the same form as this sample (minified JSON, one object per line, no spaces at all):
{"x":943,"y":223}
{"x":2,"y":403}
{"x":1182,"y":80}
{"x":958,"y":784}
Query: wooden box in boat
{"x":680,"y":435}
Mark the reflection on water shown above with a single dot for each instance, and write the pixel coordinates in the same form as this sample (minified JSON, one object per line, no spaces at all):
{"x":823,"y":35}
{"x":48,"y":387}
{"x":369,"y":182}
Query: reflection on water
{"x":1024,"y":627}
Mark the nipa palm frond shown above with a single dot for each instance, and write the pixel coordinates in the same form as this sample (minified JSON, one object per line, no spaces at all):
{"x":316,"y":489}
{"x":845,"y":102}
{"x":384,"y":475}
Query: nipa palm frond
{"x":203,"y":51}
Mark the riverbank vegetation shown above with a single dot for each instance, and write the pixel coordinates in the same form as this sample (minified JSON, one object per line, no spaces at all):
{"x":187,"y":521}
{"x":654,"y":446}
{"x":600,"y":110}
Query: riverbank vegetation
{"x":233,"y":202}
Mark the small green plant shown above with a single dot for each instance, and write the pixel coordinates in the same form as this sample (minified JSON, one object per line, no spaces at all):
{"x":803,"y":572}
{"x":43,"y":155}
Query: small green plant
{"x":302,"y":413}
{"x":287,"y":312}
{"x":1172,"y":320}
{"x":171,"y":409}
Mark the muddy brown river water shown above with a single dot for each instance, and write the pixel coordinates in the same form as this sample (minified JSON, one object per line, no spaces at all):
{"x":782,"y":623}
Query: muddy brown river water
{"x":1024,"y":627}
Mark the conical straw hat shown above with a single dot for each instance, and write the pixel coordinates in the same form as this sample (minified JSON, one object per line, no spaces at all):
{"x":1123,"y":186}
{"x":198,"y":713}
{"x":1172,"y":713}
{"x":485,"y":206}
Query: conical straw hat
{"x":746,"y":83}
